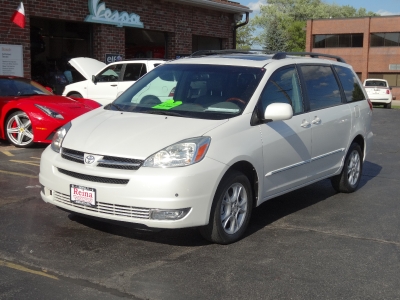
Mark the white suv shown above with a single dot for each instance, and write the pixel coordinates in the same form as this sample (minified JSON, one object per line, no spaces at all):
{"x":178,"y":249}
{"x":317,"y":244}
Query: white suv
{"x":240,"y":129}
{"x":103,"y":83}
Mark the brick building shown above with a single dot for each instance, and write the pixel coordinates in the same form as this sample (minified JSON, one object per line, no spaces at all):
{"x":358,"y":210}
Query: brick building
{"x":370,"y":44}
{"x":56,"y":31}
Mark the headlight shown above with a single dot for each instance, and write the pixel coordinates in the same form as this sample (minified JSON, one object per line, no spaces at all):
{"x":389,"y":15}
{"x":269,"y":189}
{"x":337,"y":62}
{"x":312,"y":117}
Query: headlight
{"x":184,"y":153}
{"x":50,"y":112}
{"x":59,"y":137}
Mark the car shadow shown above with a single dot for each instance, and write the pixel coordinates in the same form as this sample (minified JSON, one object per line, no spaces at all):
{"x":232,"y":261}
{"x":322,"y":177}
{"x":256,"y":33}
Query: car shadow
{"x":262,"y":216}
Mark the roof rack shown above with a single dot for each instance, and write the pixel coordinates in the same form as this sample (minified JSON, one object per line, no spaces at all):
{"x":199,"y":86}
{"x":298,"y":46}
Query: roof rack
{"x":281,"y":55}
{"x":213,"y":52}
{"x":276,"y":55}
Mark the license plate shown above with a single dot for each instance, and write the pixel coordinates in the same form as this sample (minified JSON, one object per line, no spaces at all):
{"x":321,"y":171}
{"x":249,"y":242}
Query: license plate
{"x":83,"y":195}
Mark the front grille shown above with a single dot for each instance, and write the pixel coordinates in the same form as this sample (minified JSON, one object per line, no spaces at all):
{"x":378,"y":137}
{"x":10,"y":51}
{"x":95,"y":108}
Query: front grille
{"x":93,"y":178}
{"x":107,"y":208}
{"x":120,"y":163}
{"x":113,"y":162}
{"x":72,"y":155}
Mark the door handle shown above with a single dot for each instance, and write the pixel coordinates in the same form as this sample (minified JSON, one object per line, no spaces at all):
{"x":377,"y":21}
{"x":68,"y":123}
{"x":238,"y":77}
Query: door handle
{"x":113,"y":85}
{"x":305,"y":123}
{"x":316,"y":120}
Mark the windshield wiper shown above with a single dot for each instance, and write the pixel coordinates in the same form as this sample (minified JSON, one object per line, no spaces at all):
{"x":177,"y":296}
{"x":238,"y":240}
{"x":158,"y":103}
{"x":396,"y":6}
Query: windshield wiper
{"x":116,"y":106}
{"x":162,"y":112}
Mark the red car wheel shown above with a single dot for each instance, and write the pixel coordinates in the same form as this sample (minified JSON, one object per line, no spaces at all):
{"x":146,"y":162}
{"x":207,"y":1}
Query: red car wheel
{"x":19,"y":129}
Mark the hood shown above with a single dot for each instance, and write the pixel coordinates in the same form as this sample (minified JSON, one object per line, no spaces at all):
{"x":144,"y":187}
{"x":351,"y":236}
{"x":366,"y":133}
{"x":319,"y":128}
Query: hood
{"x":87,"y":66}
{"x":133,"y":135}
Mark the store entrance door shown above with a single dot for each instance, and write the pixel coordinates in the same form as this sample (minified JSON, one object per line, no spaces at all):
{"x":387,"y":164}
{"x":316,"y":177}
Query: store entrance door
{"x":140,"y":43}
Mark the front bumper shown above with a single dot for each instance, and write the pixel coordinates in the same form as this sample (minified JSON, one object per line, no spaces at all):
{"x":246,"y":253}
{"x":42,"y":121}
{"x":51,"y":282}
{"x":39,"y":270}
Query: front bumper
{"x":148,"y":189}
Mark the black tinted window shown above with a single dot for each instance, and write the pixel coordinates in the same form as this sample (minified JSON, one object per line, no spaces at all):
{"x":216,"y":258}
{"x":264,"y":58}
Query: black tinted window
{"x":283,"y":87}
{"x":134,"y":71}
{"x":322,"y":87}
{"x":350,"y":84}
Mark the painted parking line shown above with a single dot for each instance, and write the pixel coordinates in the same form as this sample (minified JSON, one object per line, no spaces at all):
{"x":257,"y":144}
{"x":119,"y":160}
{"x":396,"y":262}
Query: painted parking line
{"x":24,"y":269}
{"x":8,"y":153}
{"x":35,"y":157}
{"x":27,"y":162}
{"x":18,"y":174}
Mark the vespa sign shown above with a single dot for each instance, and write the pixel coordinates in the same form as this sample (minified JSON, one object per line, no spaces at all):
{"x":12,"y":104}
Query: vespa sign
{"x":100,"y":14}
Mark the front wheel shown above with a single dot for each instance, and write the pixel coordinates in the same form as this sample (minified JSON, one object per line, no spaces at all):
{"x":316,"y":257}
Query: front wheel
{"x":19,"y":129}
{"x":75,"y":95}
{"x":348,"y":180}
{"x":231,"y":210}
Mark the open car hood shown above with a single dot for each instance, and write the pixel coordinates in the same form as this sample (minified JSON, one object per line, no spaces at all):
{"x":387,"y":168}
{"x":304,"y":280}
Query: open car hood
{"x":87,"y":66}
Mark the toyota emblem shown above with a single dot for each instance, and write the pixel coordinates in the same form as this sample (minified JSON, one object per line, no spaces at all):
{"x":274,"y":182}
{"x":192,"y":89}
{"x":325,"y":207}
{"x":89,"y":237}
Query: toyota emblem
{"x":89,"y":159}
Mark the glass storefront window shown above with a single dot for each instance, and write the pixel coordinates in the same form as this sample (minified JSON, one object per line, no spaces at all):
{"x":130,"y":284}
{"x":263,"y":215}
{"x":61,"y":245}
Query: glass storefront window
{"x":338,"y":40}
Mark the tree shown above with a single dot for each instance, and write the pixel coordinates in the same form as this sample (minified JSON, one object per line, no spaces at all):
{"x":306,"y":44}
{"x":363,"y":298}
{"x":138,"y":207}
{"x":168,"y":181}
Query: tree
{"x":282,"y":22}
{"x":244,"y":37}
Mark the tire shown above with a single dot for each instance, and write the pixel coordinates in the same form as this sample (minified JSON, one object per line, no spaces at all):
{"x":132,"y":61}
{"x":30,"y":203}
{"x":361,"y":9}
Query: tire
{"x":231,"y":210}
{"x":18,"y":130}
{"x":389,"y":105}
{"x":75,"y":95}
{"x":347,"y":181}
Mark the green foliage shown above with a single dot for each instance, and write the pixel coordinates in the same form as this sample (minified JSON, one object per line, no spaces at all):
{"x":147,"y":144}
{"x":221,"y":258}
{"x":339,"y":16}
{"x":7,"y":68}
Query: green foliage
{"x":282,"y":23}
{"x":244,"y":37}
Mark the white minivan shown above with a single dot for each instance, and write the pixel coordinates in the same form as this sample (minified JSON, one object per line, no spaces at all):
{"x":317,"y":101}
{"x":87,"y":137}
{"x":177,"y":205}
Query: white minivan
{"x":240,"y":128}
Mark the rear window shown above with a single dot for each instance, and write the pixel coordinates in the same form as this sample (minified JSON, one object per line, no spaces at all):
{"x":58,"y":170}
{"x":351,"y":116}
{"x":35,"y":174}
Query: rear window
{"x":376,"y":83}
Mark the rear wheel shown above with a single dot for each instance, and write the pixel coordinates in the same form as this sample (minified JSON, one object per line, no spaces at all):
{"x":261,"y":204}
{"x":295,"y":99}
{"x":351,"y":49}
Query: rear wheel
{"x":348,"y":180}
{"x":388,"y":105}
{"x":19,"y":129}
{"x":231,"y":210}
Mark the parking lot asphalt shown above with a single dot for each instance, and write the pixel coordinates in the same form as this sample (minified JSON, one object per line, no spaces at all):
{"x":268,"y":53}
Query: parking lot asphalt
{"x":312,"y":243}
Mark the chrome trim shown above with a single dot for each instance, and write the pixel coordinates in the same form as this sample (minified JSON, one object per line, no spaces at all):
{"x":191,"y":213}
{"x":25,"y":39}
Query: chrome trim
{"x":287,"y":168}
{"x":303,"y":162}
{"x":327,"y":154}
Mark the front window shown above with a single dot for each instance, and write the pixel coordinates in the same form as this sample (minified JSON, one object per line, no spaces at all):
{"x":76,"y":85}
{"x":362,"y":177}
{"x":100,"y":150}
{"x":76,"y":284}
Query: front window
{"x":197,"y":91}
{"x":21,"y":87}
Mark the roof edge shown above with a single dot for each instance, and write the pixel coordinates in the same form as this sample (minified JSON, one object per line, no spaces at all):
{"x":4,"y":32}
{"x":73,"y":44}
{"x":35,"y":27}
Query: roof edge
{"x":225,"y":6}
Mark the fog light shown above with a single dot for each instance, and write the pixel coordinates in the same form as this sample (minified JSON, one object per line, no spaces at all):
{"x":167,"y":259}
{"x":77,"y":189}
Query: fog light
{"x":168,"y":214}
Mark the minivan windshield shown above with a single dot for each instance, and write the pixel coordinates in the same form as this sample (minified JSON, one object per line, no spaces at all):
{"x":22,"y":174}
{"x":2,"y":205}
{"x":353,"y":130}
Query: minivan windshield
{"x":191,"y":90}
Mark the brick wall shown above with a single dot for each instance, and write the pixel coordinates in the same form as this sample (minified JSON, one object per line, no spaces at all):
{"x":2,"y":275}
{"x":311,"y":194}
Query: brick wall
{"x":364,"y":60}
{"x":179,"y":21}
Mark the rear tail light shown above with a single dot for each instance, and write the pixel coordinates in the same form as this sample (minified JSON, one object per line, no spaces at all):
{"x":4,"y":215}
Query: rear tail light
{"x":370,"y":104}
{"x":388,"y":92}
{"x":171,"y":93}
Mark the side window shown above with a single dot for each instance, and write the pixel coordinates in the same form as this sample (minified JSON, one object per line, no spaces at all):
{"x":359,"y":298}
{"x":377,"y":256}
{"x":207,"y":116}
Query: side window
{"x":350,"y":84}
{"x":134,"y":71}
{"x":110,"y":74}
{"x":283,"y":87}
{"x":322,"y":87}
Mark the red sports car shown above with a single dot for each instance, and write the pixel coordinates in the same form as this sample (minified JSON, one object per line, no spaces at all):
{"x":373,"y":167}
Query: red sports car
{"x":29,"y":113}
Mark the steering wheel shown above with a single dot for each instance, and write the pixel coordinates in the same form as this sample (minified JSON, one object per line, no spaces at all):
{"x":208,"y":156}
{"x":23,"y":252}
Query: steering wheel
{"x":150,"y":99}
{"x":233,"y":99}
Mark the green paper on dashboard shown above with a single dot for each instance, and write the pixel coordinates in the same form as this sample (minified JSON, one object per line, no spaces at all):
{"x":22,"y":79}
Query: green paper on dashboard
{"x":167,"y":104}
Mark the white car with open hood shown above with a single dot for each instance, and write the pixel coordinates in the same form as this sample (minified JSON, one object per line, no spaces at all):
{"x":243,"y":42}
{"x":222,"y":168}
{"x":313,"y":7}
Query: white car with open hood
{"x":103,"y":83}
{"x":240,"y":128}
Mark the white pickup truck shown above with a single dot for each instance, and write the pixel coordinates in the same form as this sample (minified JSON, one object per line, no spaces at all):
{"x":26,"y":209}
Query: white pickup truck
{"x":103,"y":83}
{"x":379,"y":92}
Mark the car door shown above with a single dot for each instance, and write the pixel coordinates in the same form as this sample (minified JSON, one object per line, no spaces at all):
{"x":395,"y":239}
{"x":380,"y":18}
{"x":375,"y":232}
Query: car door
{"x":133,"y":71}
{"x":330,"y":120}
{"x":286,"y":144}
{"x":105,"y":89}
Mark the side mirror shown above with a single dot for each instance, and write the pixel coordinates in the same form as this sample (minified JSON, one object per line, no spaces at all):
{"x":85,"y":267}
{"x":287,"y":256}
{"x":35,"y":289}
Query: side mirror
{"x":94,"y":79}
{"x":390,"y":87}
{"x":278,"y":112}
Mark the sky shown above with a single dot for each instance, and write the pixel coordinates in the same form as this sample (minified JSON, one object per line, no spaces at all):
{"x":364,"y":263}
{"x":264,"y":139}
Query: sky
{"x":382,"y":7}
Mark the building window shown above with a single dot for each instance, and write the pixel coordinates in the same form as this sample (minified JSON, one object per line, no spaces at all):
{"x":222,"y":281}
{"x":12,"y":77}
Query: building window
{"x":392,"y":78}
{"x":386,"y":39}
{"x":338,"y":40}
